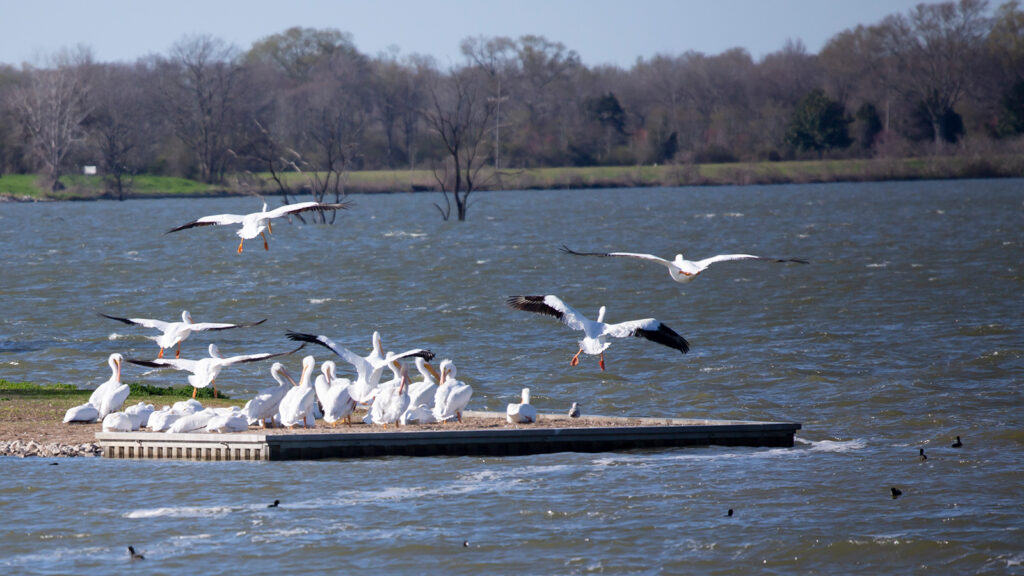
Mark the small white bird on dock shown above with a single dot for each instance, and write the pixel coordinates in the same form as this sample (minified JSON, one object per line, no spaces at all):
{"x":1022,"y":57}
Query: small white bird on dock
{"x":522,"y":413}
{"x":204,"y":372}
{"x":334,"y":396}
{"x":109,"y":396}
{"x":297,"y":405}
{"x":597,"y":333}
{"x":368,"y":368}
{"x":574,"y":410}
{"x":174,"y":333}
{"x":452,"y":395}
{"x":682,"y":270}
{"x":264,"y":405}
{"x":256,"y":223}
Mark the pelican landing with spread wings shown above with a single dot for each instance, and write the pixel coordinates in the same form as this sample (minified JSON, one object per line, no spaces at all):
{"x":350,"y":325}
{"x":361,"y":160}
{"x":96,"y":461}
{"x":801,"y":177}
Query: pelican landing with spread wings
{"x":174,"y":333}
{"x":681,"y":269}
{"x":597,"y":333}
{"x":256,"y":223}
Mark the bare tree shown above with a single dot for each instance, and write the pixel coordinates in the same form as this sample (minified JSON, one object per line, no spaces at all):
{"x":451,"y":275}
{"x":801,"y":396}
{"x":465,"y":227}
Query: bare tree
{"x":931,"y":54}
{"x":117,"y":123}
{"x":199,"y":97}
{"x":51,"y":106}
{"x":460,"y":114}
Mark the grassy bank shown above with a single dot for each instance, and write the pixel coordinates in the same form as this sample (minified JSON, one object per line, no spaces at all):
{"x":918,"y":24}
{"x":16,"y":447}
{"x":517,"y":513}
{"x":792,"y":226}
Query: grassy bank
{"x":78,"y":187}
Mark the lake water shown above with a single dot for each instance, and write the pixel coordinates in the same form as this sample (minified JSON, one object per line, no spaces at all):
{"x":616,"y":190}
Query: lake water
{"x":905,"y":330}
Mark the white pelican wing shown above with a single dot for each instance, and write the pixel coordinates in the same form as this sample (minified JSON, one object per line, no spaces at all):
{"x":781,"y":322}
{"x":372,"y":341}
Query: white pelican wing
{"x":256,"y":357}
{"x":201,"y":326}
{"x":640,"y":256}
{"x":144,"y":322}
{"x":346,"y":354}
{"x":650,"y":329}
{"x":550,"y":305}
{"x":214,"y":220}
{"x":303,"y":207}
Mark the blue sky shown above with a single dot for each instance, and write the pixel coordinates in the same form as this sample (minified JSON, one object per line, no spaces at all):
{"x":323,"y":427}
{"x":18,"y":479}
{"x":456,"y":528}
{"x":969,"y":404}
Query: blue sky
{"x":602,"y":31}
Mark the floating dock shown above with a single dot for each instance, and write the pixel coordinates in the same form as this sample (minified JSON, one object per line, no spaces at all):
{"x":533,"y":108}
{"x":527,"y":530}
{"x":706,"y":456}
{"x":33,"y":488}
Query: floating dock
{"x":550,"y":434}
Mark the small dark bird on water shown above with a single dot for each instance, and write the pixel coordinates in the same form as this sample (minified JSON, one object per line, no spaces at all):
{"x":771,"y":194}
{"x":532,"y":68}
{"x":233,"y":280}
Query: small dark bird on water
{"x":729,"y":513}
{"x":465,"y":543}
{"x":274,"y":505}
{"x":135,"y":555}
{"x":896,"y":492}
{"x":957,"y":444}
{"x":574,"y":410}
{"x":923,"y":455}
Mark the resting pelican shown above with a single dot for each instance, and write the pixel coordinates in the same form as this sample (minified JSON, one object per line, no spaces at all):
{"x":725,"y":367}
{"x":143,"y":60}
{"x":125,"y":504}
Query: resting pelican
{"x":522,"y":413}
{"x":297,"y":404}
{"x":174,"y":333}
{"x":392,"y":400}
{"x":109,"y":396}
{"x":680,"y":269}
{"x":117,"y":422}
{"x":264,"y":405}
{"x":368,"y":368}
{"x":228,"y":420}
{"x":333,"y":394}
{"x":204,"y":372}
{"x":596,"y":333}
{"x":81,"y":413}
{"x":452,"y":396}
{"x":255,"y":223}
{"x":422,"y":391}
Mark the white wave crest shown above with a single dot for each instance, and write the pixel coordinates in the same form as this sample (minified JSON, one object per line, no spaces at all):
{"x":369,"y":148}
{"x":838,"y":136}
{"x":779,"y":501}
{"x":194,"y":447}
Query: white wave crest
{"x":838,"y":446}
{"x":180,"y":512}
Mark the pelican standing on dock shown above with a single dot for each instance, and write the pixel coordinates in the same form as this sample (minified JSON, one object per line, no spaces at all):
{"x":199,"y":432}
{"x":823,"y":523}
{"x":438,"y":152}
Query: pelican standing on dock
{"x":452,"y":395}
{"x":683,"y":270}
{"x":297,"y":404}
{"x":265,"y":403}
{"x":334,"y":396}
{"x":109,"y":396}
{"x":204,"y":372}
{"x":174,"y":333}
{"x":256,"y":223}
{"x":392,"y":400}
{"x":368,"y":368}
{"x":597,"y":333}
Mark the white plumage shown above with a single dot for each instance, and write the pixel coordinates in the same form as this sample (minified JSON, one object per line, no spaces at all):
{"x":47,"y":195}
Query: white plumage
{"x":109,"y":396}
{"x":204,"y":372}
{"x":264,"y":405}
{"x":334,"y":395}
{"x":452,"y":395}
{"x":523,"y":412}
{"x":174,"y":333}
{"x":680,"y":269}
{"x":297,"y":404}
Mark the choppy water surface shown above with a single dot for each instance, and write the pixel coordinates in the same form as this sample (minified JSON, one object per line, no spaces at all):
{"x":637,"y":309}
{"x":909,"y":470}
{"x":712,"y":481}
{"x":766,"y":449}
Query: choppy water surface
{"x":906,"y":330}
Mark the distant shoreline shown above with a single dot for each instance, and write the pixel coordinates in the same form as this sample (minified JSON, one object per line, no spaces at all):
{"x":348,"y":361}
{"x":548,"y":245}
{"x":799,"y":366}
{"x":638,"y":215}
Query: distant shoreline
{"x":25,"y":188}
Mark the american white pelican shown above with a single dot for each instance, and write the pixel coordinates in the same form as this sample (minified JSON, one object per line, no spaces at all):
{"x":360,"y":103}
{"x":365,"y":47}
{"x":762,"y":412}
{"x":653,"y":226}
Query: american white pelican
{"x":368,"y":368}
{"x":392,"y":398}
{"x":680,"y":269}
{"x":452,"y":396}
{"x":109,"y":396}
{"x":117,"y":422}
{"x":262,"y":408}
{"x":162,"y":419}
{"x":140,"y":414}
{"x":192,"y":422}
{"x":228,"y":420}
{"x":82,"y":413}
{"x":297,"y":405}
{"x":596,"y":333}
{"x":204,"y":372}
{"x":522,"y":413}
{"x":255,"y":223}
{"x":334,"y":395}
{"x":174,"y":333}
{"x":422,"y":391}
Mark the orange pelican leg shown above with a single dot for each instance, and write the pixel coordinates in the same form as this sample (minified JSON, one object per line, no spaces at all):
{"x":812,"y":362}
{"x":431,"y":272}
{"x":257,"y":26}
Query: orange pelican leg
{"x":265,"y":245}
{"x":194,"y":391}
{"x":161,"y":354}
{"x":576,"y":359}
{"x":177,"y":354}
{"x":214,"y":384}
{"x":601,"y":362}
{"x":240,"y":245}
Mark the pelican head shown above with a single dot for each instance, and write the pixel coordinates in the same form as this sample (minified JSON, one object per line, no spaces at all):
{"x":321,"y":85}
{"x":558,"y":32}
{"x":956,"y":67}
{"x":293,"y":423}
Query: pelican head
{"x":377,"y":346}
{"x":280,"y":374}
{"x":114,"y":361}
{"x":447,"y":369}
{"x":214,"y":351}
{"x":526,"y":395}
{"x":307,"y":369}
{"x":186,"y":317}
{"x":600,"y":314}
{"x":328,"y":368}
{"x":426,"y":369}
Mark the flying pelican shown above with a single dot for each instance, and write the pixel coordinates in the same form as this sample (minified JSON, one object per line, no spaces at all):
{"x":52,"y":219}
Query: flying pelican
{"x":174,"y":333}
{"x":297,"y":404}
{"x":265,"y":403}
{"x":680,"y":269}
{"x":452,"y":395}
{"x":204,"y":372}
{"x":255,"y":223}
{"x":522,"y":413}
{"x":368,"y":368}
{"x":596,"y":333}
{"x":334,"y":396}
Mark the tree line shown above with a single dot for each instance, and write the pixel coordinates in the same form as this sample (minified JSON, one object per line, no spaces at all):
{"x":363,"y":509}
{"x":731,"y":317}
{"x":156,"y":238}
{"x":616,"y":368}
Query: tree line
{"x":306,"y":101}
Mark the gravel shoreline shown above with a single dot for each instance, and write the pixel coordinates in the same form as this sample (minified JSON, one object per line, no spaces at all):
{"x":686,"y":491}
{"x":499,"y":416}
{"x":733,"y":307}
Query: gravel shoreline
{"x":20,"y":449}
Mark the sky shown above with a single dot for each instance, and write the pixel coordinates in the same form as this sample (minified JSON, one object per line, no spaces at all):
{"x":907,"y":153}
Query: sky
{"x":615,"y":32}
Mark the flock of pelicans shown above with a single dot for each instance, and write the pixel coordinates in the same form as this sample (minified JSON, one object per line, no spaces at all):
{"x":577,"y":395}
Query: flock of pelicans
{"x":436,"y":396}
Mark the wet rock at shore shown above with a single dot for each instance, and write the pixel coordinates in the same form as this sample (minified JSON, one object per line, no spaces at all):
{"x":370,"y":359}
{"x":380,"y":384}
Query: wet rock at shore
{"x":31,"y":448}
